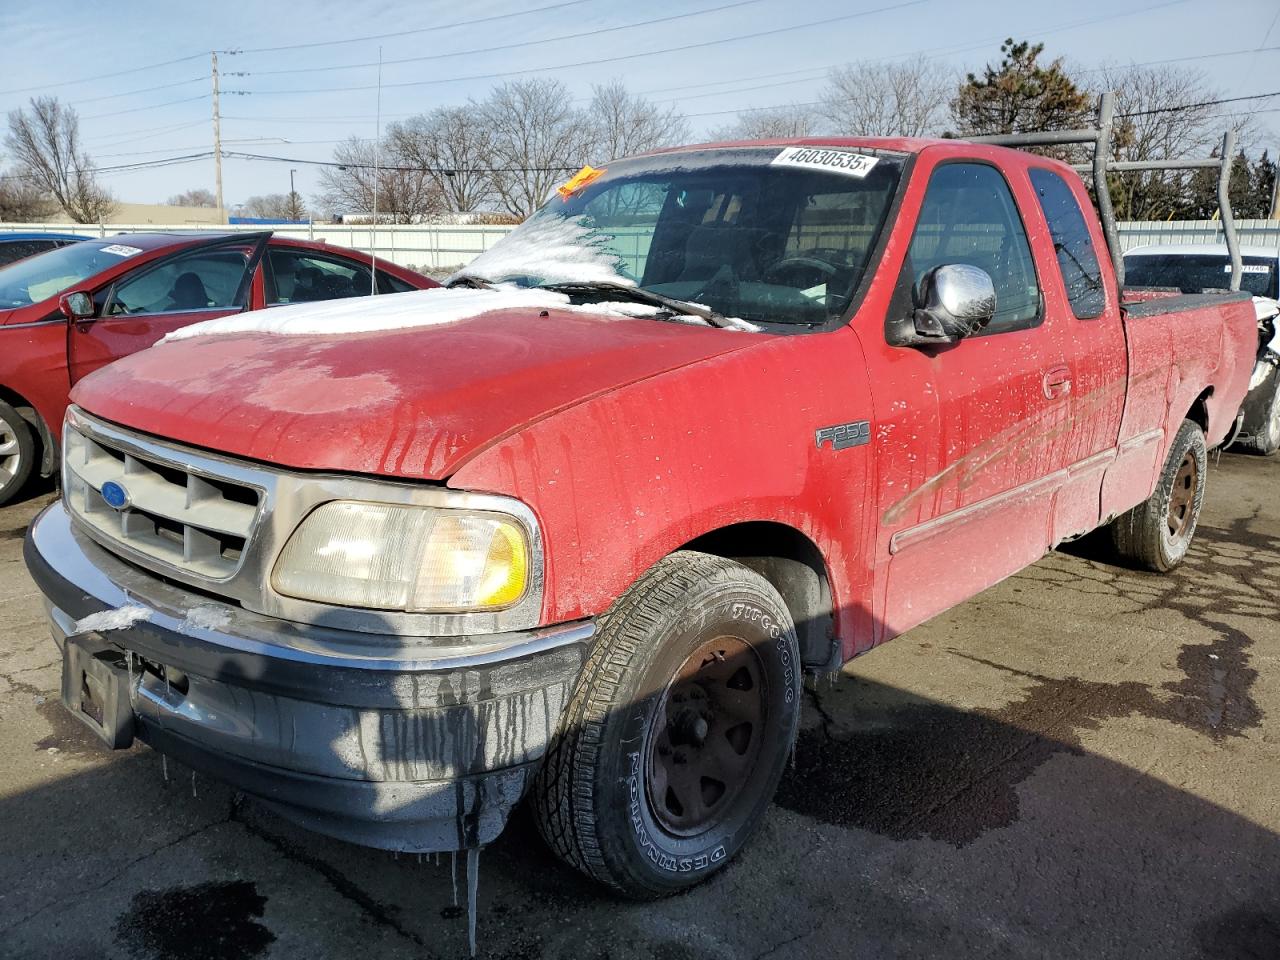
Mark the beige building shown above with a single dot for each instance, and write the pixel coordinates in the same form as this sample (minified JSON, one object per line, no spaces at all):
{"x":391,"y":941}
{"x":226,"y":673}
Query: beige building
{"x":159,"y":214}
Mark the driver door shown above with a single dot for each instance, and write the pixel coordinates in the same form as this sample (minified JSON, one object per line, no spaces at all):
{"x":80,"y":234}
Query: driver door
{"x":209,"y":280}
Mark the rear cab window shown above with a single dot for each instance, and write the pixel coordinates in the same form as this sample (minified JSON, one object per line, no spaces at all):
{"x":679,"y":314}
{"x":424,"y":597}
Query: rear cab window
{"x":1077,"y":257}
{"x":1199,"y":272}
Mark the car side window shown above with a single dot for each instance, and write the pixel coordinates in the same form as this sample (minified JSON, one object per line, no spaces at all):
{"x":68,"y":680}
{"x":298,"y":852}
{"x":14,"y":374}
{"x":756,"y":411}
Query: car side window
{"x":969,"y":216}
{"x":20,"y":249}
{"x":201,"y":280}
{"x":299,"y":276}
{"x":1077,"y":258}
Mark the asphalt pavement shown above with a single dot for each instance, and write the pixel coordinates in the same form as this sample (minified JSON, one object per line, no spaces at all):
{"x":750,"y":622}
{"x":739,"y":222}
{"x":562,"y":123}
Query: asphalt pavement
{"x":1083,"y":761}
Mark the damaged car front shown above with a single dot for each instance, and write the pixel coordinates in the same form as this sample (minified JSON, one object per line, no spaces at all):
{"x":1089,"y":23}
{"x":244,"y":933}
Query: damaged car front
{"x":252,"y":651}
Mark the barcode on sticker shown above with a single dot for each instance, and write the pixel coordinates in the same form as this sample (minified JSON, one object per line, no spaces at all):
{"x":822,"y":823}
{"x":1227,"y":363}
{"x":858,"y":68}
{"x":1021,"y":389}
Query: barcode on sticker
{"x":120,"y":250}
{"x":1249,"y":268}
{"x":816,"y":158}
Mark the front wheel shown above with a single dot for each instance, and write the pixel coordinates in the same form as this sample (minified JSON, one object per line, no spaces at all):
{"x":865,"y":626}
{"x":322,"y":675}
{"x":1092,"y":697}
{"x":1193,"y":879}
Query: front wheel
{"x":678,"y":731}
{"x":1157,"y":533}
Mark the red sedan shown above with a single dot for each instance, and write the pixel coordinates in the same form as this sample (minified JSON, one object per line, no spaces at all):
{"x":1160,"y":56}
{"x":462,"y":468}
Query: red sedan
{"x":65,"y":313}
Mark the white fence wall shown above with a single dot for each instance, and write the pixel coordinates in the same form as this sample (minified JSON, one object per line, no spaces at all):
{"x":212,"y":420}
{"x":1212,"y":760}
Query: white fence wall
{"x":424,"y":246}
{"x":1135,"y":233}
{"x":436,"y":247}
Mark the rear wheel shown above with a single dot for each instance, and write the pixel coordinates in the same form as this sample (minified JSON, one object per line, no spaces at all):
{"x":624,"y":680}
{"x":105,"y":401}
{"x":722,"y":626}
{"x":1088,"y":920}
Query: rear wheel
{"x":1157,"y":533}
{"x":17,"y":452}
{"x":1261,"y":428}
{"x":678,"y":731}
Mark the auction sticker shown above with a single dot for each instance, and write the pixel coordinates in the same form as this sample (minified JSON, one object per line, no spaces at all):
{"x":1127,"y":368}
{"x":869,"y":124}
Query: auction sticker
{"x":1249,"y":268}
{"x":816,"y":158}
{"x":120,"y":250}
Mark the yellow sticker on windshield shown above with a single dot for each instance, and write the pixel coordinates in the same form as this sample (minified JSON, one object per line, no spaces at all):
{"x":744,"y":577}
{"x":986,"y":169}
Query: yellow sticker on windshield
{"x":579,"y":180}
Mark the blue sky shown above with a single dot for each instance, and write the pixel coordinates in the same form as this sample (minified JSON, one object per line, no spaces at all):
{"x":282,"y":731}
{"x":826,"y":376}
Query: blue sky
{"x":65,"y":48}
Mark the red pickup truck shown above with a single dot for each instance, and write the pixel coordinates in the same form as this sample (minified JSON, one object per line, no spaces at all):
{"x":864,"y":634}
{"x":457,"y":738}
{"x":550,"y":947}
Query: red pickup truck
{"x":575,"y":528}
{"x":68,"y":311}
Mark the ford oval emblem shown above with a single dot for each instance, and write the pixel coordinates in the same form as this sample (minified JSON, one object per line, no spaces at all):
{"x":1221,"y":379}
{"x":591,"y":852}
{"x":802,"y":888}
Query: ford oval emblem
{"x":116,"y":496}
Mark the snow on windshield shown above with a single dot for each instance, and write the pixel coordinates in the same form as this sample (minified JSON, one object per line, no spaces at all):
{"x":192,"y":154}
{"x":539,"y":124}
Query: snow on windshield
{"x":551,"y":249}
{"x":399,"y":311}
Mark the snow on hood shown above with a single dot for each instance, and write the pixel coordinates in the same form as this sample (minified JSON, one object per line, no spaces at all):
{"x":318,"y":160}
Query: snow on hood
{"x":418,"y":308}
{"x":552,"y":248}
{"x":395,"y":311}
{"x":411,"y":402}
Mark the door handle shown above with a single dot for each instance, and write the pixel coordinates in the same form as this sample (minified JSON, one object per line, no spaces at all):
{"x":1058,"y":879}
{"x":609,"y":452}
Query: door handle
{"x":1056,"y":382}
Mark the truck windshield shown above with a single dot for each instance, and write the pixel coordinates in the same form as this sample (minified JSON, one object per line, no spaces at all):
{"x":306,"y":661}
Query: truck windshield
{"x":48,"y":274}
{"x":1192,"y":273}
{"x":775,"y":237}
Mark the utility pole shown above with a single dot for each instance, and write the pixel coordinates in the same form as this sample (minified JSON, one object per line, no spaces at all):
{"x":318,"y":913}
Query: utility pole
{"x":294,"y":212}
{"x":217,"y":142}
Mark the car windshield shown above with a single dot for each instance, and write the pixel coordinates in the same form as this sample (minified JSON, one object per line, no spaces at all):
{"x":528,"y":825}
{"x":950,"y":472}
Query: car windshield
{"x":1192,"y":273}
{"x":48,"y":274}
{"x":773,"y":235}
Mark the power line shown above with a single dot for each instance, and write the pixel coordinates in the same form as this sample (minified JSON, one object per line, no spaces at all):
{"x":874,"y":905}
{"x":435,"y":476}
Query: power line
{"x":104,"y":76}
{"x":443,"y":171}
{"x":154,"y":106}
{"x":131,"y":93}
{"x":702,"y":44}
{"x":513,"y":46}
{"x":1202,"y":103}
{"x":406,"y":33}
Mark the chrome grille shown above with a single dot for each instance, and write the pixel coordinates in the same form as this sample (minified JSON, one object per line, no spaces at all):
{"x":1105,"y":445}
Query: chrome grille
{"x":194,"y":523}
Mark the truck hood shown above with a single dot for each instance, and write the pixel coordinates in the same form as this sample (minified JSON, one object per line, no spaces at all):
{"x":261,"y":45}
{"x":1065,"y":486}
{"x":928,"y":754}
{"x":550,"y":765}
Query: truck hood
{"x":413,"y":402}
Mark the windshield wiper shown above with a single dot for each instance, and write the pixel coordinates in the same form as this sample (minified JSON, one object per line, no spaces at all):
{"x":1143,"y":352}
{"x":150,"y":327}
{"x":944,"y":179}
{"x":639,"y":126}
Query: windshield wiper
{"x":640,"y":295}
{"x":467,"y":280}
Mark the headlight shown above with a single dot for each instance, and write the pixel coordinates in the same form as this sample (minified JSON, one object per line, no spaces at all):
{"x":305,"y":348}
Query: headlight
{"x":416,"y":559}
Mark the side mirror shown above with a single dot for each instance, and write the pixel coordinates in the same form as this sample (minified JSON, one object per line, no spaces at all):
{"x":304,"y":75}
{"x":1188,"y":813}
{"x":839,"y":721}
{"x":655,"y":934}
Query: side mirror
{"x":76,"y":306}
{"x":958,"y":300}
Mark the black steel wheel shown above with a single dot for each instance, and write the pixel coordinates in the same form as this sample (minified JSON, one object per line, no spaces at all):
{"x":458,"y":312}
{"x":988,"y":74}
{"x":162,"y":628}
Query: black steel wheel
{"x":678,"y":731}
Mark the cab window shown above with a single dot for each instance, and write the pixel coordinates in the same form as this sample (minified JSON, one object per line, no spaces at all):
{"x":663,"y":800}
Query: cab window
{"x":969,"y":216}
{"x":1077,"y":258}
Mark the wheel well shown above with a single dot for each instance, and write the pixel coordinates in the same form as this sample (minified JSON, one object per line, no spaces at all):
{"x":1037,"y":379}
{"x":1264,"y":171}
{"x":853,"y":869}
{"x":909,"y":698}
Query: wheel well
{"x":28,"y":412}
{"x":1199,"y":412}
{"x":794,"y":565}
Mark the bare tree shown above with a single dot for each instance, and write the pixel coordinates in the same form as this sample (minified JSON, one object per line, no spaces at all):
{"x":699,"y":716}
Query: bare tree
{"x":1157,"y":119}
{"x":197,"y":197}
{"x":270,"y":206}
{"x":538,"y":139}
{"x":453,"y":150}
{"x":793,"y":120}
{"x":405,"y":192}
{"x":21,"y":199}
{"x":888,"y":100}
{"x":623,"y":123}
{"x":45,"y":143}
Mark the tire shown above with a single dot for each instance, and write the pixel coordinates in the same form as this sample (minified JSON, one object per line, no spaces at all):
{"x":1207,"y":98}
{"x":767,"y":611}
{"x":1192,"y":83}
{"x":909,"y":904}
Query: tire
{"x":1157,"y":533}
{"x":693,"y":683}
{"x":1260,"y":432}
{"x":17,"y":453}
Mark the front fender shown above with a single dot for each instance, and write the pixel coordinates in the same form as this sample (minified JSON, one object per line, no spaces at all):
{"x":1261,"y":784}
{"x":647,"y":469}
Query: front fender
{"x":621,"y":480}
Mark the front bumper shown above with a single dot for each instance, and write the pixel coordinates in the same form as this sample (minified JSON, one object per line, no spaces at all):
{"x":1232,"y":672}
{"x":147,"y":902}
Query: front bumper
{"x":415,"y":744}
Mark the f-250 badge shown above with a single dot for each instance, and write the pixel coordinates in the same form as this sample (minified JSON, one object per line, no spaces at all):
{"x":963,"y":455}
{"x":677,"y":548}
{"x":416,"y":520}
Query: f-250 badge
{"x":845,"y":435}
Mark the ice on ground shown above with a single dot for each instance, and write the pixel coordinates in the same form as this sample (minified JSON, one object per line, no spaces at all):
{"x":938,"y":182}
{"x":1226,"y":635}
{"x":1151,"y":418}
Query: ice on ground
{"x":120,"y":618}
{"x":553,"y":249}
